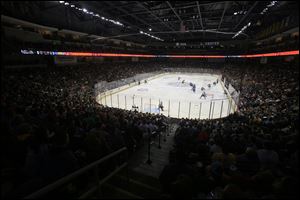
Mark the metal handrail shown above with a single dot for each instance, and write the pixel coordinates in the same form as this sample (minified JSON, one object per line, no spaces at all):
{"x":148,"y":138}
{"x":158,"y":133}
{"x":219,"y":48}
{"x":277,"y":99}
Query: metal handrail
{"x":99,"y":183}
{"x":75,"y":174}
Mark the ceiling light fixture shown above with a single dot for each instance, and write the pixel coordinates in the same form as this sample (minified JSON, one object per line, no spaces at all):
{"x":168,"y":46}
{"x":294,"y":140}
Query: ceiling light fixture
{"x":92,"y":13}
{"x":271,"y":4}
{"x":152,"y":36}
{"x":243,"y":29}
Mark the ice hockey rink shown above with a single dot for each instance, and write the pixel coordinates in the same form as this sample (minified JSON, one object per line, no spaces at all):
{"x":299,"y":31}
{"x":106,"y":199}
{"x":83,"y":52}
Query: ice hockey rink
{"x":178,"y":99}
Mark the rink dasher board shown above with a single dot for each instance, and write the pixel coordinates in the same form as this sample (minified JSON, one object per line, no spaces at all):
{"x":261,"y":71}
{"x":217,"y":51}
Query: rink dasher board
{"x":185,"y":110}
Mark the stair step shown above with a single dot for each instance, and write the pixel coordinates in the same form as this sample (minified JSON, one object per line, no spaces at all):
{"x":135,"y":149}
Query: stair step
{"x":135,"y":187}
{"x":143,"y":185}
{"x":112,"y":192}
{"x":137,"y":176}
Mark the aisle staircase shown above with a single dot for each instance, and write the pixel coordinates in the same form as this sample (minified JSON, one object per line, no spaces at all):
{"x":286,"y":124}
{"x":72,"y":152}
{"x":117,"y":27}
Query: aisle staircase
{"x":142,"y":181}
{"x":138,"y":186}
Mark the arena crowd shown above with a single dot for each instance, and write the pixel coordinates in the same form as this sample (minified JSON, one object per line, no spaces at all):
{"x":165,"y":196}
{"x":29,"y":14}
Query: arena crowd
{"x":52,"y":126}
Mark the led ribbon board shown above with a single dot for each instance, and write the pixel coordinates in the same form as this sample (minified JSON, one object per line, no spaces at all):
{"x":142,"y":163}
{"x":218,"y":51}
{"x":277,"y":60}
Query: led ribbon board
{"x":91,"y":54}
{"x":284,"y":53}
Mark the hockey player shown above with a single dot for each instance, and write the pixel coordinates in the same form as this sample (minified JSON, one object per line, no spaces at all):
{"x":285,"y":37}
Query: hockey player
{"x":182,"y":82}
{"x":202,"y":88}
{"x":203,"y":95}
{"x":209,"y":85}
{"x":160,"y":106}
{"x":178,"y":77}
{"x":194,"y":88}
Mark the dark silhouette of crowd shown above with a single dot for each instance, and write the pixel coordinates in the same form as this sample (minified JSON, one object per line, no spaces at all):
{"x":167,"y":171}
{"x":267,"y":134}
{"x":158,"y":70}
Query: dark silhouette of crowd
{"x":250,"y":154}
{"x":52,"y":126}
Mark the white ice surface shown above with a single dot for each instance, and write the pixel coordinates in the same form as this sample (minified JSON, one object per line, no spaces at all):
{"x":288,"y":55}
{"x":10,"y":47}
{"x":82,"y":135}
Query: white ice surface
{"x":178,"y":99}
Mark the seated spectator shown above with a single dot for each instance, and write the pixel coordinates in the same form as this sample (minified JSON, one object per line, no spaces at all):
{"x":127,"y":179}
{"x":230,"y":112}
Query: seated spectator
{"x":267,"y":156}
{"x":182,"y":188}
{"x":248,"y":163}
{"x":60,"y":161}
{"x":262,"y":183}
{"x":96,"y":145}
{"x":172,"y":171}
{"x":215,"y":147}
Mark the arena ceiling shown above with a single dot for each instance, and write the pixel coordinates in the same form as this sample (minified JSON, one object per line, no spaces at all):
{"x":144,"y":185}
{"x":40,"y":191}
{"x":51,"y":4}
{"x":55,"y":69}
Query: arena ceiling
{"x":147,"y":22}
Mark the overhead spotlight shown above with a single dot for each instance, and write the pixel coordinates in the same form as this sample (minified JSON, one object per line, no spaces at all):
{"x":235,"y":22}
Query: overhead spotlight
{"x":66,"y":3}
{"x":235,"y":13}
{"x":84,"y":10}
{"x":97,"y":15}
{"x":102,"y":18}
{"x":141,"y":32}
{"x":150,"y":29}
{"x":72,"y":6}
{"x":61,"y":2}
